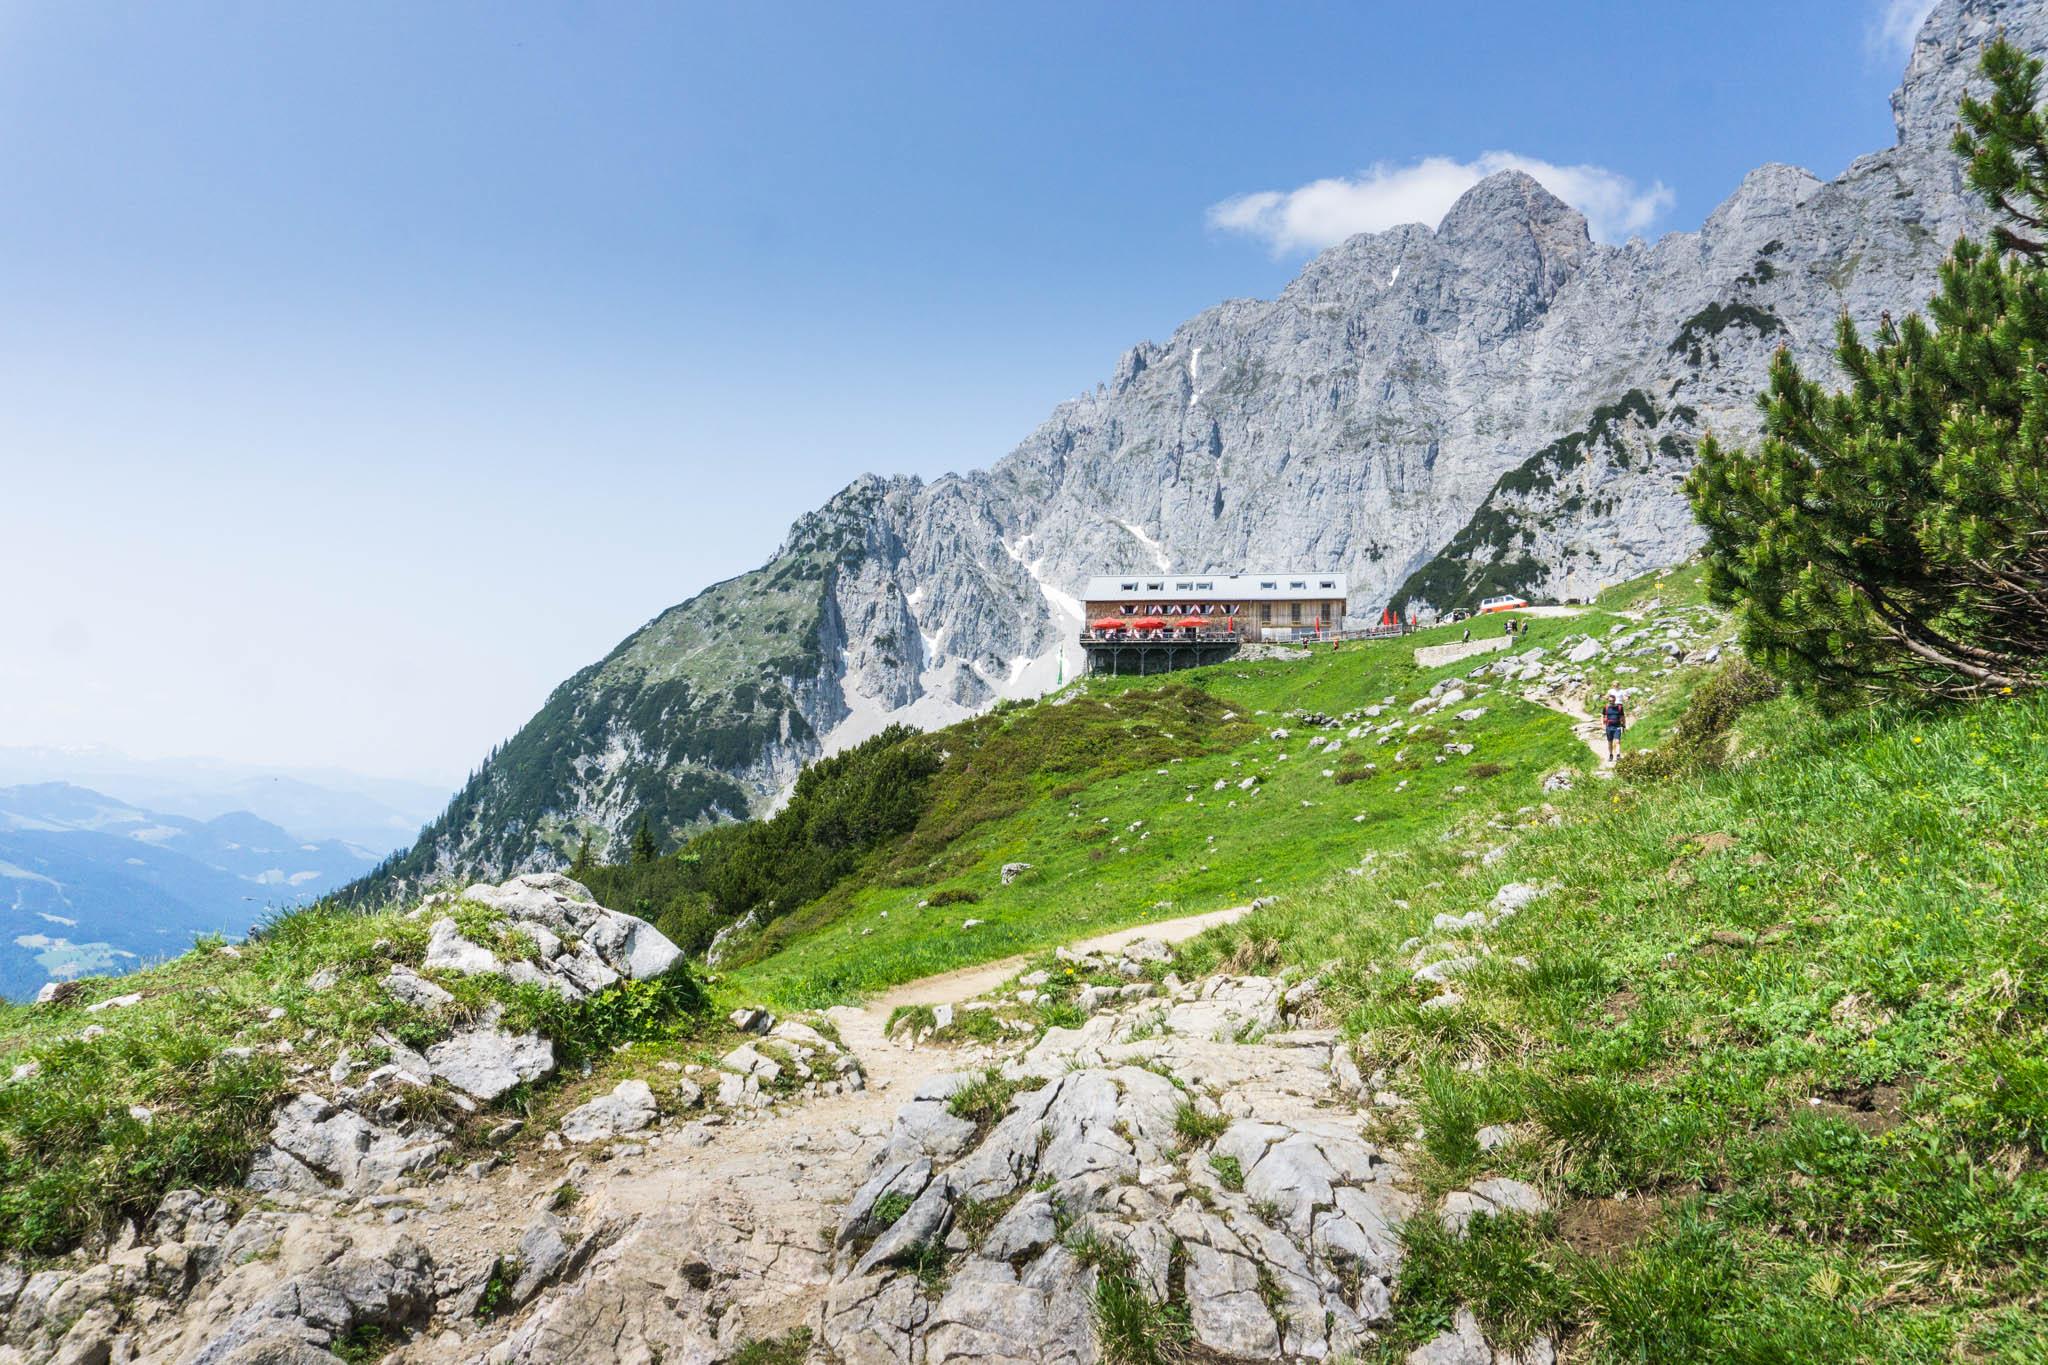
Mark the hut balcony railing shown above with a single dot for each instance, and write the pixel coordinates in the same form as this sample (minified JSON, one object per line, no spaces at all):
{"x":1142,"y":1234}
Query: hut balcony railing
{"x":1182,"y":633}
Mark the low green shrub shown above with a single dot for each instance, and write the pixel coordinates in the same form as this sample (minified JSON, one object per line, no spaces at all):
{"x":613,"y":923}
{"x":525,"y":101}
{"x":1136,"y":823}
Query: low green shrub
{"x":1699,"y":738}
{"x":1131,"y":1327}
{"x":889,"y":1208}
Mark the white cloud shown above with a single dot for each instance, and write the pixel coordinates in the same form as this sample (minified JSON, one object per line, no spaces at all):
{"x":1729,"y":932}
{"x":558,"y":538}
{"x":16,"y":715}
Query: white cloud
{"x":1897,"y":24}
{"x":1325,"y":212}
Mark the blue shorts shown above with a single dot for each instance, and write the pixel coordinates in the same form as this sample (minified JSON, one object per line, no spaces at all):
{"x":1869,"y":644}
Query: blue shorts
{"x":1613,"y":733}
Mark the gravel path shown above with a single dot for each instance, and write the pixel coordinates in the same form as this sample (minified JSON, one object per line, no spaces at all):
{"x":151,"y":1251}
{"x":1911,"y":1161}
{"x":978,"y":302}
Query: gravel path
{"x":950,"y":988}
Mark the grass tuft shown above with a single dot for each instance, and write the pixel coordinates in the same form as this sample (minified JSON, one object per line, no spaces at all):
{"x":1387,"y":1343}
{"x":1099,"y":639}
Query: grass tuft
{"x":984,"y":1100}
{"x":1195,"y":1127}
{"x":792,"y":1348}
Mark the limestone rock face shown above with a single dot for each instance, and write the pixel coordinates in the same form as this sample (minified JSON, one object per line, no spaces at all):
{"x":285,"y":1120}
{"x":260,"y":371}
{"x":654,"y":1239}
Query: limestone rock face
{"x":413,"y":989}
{"x":1496,"y":404}
{"x":486,"y":1062}
{"x":1281,"y":1237}
{"x":301,"y":1317}
{"x":550,"y":911}
{"x":628,"y":1109}
{"x":342,"y":1148}
{"x":1488,"y":1198}
{"x":358,"y":1141}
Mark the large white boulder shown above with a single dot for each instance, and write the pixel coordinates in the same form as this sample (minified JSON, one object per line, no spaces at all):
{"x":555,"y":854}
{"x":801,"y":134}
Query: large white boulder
{"x":628,"y":1109}
{"x":486,"y":1062}
{"x":449,"y":951}
{"x":548,"y":909}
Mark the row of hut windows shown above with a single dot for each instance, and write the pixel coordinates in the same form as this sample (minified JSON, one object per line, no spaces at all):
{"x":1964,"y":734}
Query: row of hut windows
{"x":1269,"y":584}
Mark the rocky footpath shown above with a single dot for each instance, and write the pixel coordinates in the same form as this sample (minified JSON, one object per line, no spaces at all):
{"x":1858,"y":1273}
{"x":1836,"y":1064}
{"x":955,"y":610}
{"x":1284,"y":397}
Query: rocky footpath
{"x":1640,"y":658}
{"x":1632,"y":658}
{"x":1130,"y":1149}
{"x":1195,"y":1151}
{"x":1197,"y":1158}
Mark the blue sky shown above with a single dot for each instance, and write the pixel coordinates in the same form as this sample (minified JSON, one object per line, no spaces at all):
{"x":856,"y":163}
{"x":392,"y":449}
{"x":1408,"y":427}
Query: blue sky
{"x":367,"y":368}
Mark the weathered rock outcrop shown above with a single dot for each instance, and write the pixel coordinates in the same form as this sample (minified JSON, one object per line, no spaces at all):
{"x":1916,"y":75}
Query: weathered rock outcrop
{"x":299,"y":1319}
{"x":1287,"y":1257}
{"x":362,"y":1138}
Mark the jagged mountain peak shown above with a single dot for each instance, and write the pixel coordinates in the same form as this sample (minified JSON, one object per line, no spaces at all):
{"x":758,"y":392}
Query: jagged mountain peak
{"x":1514,"y":237}
{"x":1358,"y":265}
{"x":1772,"y":186}
{"x":1509,"y":202}
{"x":1498,"y":401}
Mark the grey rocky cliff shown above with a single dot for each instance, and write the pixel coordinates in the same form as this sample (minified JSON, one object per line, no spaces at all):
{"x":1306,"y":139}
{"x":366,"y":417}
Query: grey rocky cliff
{"x":1396,"y":412}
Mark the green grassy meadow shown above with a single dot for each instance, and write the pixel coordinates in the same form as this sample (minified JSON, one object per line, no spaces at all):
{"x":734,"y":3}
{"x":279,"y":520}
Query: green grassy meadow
{"x":1780,"y":1051}
{"x":1161,"y":840}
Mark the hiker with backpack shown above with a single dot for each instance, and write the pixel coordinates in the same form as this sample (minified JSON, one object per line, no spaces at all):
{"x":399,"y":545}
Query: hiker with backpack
{"x":1615,"y":720}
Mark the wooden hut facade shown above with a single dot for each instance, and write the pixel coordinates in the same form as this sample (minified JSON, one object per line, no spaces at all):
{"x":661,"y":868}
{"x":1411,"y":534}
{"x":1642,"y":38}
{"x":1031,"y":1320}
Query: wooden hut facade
{"x":1149,"y":623}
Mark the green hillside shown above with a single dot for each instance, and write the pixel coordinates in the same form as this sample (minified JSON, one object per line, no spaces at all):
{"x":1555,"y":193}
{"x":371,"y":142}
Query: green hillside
{"x":1779,"y":1044}
{"x":1144,"y":813}
{"x":1110,"y":791}
{"x":659,"y":727}
{"x":1772,"y":1035}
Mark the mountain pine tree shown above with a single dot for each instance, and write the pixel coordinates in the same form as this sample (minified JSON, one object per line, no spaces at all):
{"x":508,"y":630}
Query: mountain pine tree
{"x":645,"y":850}
{"x":1892,"y":539}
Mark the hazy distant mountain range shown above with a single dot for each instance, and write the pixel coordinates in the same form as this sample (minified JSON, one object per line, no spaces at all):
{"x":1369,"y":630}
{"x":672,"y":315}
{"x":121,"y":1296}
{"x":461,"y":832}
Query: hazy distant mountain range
{"x":92,"y":884}
{"x":379,"y":813}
